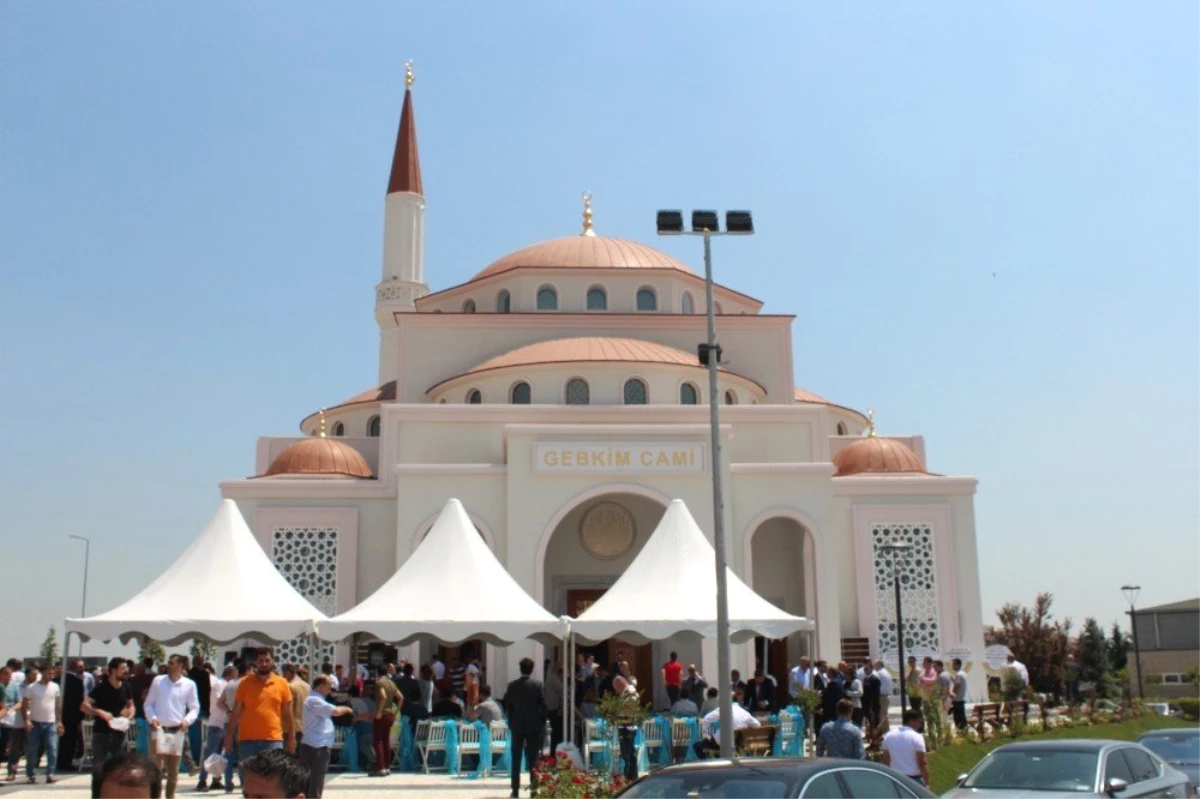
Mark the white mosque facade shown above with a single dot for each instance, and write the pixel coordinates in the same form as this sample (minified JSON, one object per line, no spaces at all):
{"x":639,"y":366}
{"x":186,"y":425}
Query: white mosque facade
{"x":559,"y":396}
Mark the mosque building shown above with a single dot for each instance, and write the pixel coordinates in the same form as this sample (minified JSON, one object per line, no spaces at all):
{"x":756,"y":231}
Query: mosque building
{"x":559,"y":396}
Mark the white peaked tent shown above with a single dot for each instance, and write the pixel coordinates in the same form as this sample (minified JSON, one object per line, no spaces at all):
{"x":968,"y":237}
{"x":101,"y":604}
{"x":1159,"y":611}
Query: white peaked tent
{"x":222,"y":587}
{"x":452,"y":589}
{"x":671,"y":588}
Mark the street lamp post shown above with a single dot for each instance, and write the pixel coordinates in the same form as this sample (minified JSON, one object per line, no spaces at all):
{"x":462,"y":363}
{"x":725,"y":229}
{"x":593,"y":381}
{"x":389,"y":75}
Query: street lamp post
{"x":87,"y":556}
{"x":1131,"y":594}
{"x":705,"y":224}
{"x":895,"y":549}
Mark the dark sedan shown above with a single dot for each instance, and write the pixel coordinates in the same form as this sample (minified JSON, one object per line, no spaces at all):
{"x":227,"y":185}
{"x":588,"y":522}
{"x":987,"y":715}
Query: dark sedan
{"x":776,"y":778}
{"x":1072,"y":767}
{"x":1180,"y":748}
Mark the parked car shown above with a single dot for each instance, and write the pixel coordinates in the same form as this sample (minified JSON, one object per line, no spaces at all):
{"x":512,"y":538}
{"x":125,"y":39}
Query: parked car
{"x":1072,"y":767}
{"x":1179,"y":747}
{"x":775,"y":778}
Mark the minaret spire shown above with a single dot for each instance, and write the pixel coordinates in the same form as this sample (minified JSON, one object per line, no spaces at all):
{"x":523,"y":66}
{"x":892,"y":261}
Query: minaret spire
{"x":406,"y":166}
{"x":403,"y":280}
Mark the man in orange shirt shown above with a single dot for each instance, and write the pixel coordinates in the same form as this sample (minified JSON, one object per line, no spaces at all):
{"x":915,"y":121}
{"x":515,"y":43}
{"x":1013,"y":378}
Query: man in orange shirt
{"x":262,"y":711}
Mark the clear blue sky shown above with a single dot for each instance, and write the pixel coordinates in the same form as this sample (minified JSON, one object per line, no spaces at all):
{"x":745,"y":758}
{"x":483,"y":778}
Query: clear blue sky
{"x":983,"y":214}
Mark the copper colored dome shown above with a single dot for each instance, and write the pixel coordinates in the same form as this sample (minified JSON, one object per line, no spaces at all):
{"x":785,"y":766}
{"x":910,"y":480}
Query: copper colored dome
{"x":320,"y":456}
{"x":874,"y":455}
{"x":596,"y":252}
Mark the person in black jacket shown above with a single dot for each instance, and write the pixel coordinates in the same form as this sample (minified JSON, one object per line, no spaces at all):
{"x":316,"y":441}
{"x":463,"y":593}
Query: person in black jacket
{"x":525,"y":704}
{"x":870,"y":697}
{"x":835,"y":690}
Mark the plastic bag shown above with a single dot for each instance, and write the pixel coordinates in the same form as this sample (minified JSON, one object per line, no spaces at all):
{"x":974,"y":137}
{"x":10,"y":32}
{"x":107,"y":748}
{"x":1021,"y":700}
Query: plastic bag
{"x":119,"y":724}
{"x":214,"y":766}
{"x":170,"y":743}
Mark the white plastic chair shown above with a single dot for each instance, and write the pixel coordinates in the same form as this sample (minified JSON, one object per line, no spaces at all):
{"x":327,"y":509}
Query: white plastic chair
{"x":468,"y":743}
{"x":651,"y":738}
{"x":85,"y":729}
{"x":787,"y":731}
{"x":435,"y":741}
{"x":499,"y":732}
{"x":594,"y":742}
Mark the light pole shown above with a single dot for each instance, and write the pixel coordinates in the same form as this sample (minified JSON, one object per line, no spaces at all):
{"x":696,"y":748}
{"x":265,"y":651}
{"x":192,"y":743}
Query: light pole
{"x":1131,"y":594}
{"x":704,"y":223}
{"x":87,"y":556}
{"x":895,"y":549}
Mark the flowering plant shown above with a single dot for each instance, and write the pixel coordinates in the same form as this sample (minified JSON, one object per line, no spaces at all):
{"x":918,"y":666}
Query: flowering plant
{"x":560,"y":777}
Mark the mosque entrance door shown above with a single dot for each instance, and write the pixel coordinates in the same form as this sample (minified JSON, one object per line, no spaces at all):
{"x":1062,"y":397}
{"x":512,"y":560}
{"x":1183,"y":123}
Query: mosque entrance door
{"x":639,"y":657}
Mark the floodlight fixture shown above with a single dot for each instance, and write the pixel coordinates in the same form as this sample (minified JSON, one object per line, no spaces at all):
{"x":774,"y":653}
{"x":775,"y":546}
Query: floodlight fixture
{"x":670,"y":223}
{"x":739,"y":223}
{"x":705,"y":222}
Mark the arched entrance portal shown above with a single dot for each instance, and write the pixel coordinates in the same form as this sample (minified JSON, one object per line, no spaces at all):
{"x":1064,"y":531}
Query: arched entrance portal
{"x":590,"y":548}
{"x":781,"y":566}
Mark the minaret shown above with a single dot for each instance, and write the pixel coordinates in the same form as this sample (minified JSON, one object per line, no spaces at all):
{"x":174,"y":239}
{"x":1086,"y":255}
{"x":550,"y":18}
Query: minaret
{"x":403,"y":238}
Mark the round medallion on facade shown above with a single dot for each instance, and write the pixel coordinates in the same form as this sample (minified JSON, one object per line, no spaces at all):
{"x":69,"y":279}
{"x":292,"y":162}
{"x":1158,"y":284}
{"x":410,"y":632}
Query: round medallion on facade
{"x":607,"y":531}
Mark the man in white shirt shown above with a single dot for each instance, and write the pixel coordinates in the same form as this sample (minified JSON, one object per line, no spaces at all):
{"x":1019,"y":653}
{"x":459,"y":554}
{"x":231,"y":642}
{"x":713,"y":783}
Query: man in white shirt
{"x":439,"y":668}
{"x":742,"y":719}
{"x":18,"y":672}
{"x":1019,"y":667}
{"x":218,"y":717}
{"x":886,"y":686}
{"x":43,"y":724}
{"x":318,"y":735}
{"x":800,"y":677}
{"x":904,"y":749}
{"x":172,"y":705}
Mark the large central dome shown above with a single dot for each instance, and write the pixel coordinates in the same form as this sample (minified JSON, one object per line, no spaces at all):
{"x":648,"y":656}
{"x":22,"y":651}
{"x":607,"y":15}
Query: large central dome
{"x":595,"y":252}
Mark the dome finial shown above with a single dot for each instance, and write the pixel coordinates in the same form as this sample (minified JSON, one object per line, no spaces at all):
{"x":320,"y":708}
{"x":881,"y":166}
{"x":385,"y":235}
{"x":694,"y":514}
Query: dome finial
{"x":870,"y":422}
{"x":321,"y":425}
{"x":408,"y":76}
{"x":587,"y":215}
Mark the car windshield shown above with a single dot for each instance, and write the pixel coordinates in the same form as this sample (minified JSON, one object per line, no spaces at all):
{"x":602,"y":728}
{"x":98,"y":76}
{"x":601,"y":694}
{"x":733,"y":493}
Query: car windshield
{"x":1181,"y":748}
{"x":730,"y":782}
{"x":1035,"y":770}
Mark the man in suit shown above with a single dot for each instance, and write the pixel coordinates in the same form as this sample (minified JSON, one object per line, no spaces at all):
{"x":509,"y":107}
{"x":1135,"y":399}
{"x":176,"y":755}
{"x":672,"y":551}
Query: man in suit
{"x":525,"y":704}
{"x":760,"y":694}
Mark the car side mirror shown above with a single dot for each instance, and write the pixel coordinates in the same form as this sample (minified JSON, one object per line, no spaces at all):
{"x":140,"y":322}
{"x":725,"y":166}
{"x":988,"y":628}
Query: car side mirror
{"x":960,"y":779}
{"x":1114,"y":785}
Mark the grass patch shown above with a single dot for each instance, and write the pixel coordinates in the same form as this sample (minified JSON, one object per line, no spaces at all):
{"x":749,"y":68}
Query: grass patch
{"x":948,"y":762}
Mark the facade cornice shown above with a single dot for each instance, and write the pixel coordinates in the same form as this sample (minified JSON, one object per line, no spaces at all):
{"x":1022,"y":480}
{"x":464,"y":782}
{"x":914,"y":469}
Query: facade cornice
{"x":664,"y":430}
{"x":490,"y":280}
{"x":590,"y":320}
{"x":901,"y":486}
{"x":801,"y":469}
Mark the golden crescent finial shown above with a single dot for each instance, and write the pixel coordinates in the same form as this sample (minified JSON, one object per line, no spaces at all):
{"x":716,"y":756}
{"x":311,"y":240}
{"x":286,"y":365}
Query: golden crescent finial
{"x":870,"y":422}
{"x":408,"y":76}
{"x":587,"y":215}
{"x":321,"y":425}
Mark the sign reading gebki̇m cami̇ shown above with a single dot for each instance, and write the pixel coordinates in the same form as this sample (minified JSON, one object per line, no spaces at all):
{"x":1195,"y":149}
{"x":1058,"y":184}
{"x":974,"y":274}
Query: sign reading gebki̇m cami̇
{"x":593,"y":457}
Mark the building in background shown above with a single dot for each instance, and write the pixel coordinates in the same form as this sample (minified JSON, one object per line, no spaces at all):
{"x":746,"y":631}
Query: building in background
{"x":1169,"y":638}
{"x":558,"y":395}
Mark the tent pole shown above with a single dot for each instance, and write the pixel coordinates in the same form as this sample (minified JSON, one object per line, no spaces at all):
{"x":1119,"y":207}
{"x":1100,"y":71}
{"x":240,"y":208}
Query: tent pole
{"x":566,"y":654}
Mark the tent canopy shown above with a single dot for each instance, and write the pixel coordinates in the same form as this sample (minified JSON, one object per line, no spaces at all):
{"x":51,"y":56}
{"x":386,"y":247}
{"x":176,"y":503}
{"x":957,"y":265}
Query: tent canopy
{"x":451,"y":589}
{"x":223,"y":587}
{"x":671,"y":588}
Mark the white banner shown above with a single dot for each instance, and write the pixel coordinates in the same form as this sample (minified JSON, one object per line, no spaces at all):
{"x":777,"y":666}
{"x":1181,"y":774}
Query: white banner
{"x":592,"y":457}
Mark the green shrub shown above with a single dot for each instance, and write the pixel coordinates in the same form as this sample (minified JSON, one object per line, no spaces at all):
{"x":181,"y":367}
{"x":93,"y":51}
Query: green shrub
{"x":1190,"y":708}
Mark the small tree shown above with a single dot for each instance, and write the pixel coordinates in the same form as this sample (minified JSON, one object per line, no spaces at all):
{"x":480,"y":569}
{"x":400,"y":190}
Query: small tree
{"x":1118,"y":648}
{"x":49,"y":651}
{"x":203,"y":648}
{"x":153,"y":650}
{"x":1040,"y":642}
{"x":1091,"y":650}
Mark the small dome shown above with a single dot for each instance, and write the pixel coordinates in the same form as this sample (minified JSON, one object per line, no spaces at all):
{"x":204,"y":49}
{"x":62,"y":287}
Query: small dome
{"x":595,"y":252}
{"x":320,"y":456}
{"x":873,"y":455}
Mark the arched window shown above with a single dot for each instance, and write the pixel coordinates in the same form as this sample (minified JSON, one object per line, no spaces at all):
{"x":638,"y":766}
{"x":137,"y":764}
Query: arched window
{"x":717,"y":308}
{"x":521,"y":394}
{"x":635,"y":392}
{"x":597,"y":299}
{"x":686,"y":304}
{"x":373,"y":427}
{"x":547,"y":299}
{"x":338,"y":429}
{"x":503,"y":302}
{"x":578,"y":392}
{"x":688,"y":394}
{"x":647,"y":300}
{"x":841,"y":428}
{"x":469,"y":306}
{"x":730,"y":397}
{"x":474,"y":397}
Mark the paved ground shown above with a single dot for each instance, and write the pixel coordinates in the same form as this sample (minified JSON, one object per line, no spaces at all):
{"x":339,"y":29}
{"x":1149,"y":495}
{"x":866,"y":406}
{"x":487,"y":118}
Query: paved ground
{"x":339,"y":786}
